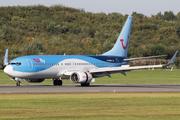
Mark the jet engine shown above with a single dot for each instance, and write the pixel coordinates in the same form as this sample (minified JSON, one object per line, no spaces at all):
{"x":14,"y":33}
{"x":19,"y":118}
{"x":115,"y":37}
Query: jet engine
{"x":34,"y":80}
{"x":81,"y":77}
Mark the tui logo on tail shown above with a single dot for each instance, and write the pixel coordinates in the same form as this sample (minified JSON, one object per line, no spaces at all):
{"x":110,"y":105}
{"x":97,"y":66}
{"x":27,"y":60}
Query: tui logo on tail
{"x":122,"y":40}
{"x":123,"y":44}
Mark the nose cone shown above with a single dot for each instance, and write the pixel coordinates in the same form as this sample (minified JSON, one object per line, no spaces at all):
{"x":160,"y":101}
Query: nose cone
{"x":8,"y":70}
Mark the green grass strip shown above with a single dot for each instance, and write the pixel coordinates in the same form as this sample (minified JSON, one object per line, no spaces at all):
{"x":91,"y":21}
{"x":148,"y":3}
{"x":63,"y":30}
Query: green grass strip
{"x":106,"y":106}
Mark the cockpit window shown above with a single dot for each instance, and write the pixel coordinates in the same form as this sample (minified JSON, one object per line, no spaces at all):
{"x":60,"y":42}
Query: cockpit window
{"x":18,"y":63}
{"x":14,"y":63}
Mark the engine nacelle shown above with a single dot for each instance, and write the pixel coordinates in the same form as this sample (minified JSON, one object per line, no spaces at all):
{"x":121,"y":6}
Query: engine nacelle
{"x":34,"y":80}
{"x":81,"y":77}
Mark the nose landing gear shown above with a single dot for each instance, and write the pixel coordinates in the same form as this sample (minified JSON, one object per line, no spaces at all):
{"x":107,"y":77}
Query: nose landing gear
{"x":18,"y":83}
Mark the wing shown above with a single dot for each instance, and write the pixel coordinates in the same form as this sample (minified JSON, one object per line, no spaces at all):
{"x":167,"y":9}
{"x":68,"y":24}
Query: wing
{"x":116,"y":69}
{"x":124,"y":68}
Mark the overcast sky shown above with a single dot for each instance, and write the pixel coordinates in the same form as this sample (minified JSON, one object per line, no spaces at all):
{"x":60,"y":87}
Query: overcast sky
{"x":146,"y":7}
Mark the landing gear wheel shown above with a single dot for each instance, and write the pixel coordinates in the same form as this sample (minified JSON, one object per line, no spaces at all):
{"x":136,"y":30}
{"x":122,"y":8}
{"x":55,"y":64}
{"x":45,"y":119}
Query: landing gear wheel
{"x":85,"y":84}
{"x":57,"y":82}
{"x":18,"y":83}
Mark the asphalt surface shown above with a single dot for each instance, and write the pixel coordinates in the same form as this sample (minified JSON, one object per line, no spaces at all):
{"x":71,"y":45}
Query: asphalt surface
{"x":97,"y":88}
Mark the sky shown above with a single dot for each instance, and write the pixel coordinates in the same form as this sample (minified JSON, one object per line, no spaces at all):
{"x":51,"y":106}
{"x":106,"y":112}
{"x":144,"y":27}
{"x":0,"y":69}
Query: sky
{"x":146,"y":7}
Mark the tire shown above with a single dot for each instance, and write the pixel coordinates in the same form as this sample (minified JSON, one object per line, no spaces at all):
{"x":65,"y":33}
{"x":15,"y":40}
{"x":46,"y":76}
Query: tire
{"x":18,"y":83}
{"x":55,"y":82}
{"x":59,"y":82}
{"x":85,"y":84}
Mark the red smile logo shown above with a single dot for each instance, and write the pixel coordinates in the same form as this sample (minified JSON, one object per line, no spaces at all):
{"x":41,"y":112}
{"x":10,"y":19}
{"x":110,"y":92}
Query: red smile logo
{"x":124,"y":47}
{"x":36,"y":60}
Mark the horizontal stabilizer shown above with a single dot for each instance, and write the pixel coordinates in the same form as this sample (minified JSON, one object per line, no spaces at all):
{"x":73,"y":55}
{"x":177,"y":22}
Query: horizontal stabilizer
{"x":131,"y":59}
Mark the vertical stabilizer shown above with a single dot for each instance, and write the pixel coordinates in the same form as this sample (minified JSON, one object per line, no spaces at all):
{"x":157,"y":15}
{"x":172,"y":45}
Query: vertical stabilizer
{"x":121,"y":46}
{"x":6,"y":58}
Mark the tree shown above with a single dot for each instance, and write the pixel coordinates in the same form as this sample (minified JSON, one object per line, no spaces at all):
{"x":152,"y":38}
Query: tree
{"x":157,"y":50}
{"x":168,"y":16}
{"x":178,"y":15}
{"x":51,"y":27}
{"x":36,"y":47}
{"x":178,"y":31}
{"x":107,"y":45}
{"x":159,"y":15}
{"x":138,"y":15}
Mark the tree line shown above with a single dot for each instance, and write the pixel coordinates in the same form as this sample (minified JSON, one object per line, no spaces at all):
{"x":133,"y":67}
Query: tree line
{"x":55,"y":30}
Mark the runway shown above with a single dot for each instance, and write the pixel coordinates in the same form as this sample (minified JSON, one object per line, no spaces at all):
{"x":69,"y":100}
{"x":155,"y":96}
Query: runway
{"x":95,"y":88}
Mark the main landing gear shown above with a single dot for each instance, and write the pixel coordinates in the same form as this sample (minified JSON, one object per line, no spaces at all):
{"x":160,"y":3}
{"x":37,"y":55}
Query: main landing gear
{"x":57,"y":82}
{"x":85,"y":84}
{"x":18,"y":83}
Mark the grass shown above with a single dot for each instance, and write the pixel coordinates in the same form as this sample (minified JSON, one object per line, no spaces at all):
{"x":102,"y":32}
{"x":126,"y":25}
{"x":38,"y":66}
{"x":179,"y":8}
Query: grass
{"x":157,"y":76}
{"x":136,"y":106}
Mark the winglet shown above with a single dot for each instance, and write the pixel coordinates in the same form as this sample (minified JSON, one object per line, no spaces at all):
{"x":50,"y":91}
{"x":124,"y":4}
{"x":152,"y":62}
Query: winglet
{"x":173,"y":58}
{"x":6,"y":58}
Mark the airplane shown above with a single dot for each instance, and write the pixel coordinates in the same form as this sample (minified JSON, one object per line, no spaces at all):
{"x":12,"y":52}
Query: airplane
{"x":78,"y":68}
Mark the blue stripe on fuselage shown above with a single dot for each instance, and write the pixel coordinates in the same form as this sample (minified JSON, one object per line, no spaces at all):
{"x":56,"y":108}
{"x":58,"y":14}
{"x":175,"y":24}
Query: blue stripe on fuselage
{"x":38,"y":63}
